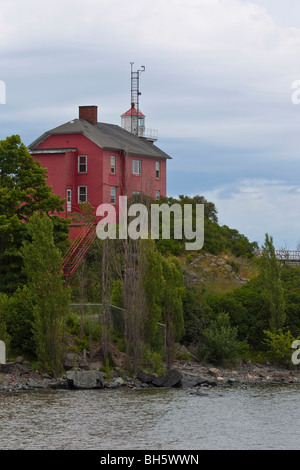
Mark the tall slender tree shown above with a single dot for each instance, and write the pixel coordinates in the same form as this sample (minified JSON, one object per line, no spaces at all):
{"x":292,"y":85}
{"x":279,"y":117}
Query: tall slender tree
{"x":272,"y":290}
{"x":50,"y":296}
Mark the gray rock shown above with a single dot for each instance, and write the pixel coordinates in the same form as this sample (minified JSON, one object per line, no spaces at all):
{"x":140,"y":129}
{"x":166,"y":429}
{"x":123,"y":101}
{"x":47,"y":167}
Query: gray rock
{"x":70,"y":361}
{"x":232,"y":381}
{"x":202,"y":382}
{"x":172,"y":378}
{"x":7,"y":368}
{"x":199,"y":394}
{"x":146,"y":377}
{"x":189,"y":381}
{"x":85,"y":379}
{"x":214,"y":372}
{"x":115,"y":383}
{"x":35,"y":383}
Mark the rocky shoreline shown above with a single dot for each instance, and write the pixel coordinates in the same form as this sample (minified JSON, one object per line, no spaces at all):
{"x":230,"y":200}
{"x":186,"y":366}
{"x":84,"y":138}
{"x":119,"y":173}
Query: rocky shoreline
{"x":19,"y":376}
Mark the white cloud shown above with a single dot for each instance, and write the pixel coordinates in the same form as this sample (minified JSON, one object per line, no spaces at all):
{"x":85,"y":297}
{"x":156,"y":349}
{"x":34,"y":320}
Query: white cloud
{"x":259,"y":206}
{"x":218,"y":82}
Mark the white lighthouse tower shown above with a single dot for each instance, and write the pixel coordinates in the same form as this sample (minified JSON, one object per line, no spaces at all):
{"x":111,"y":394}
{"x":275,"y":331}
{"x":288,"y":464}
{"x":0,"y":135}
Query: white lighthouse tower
{"x":133,"y":120}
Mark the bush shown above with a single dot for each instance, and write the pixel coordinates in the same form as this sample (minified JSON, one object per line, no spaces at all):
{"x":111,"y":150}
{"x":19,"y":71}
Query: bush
{"x":17,"y":316}
{"x":279,"y":346}
{"x":221,"y":343}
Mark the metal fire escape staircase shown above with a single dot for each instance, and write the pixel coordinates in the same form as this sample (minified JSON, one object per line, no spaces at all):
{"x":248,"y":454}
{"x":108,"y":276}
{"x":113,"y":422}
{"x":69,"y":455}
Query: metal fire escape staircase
{"x":78,"y":249}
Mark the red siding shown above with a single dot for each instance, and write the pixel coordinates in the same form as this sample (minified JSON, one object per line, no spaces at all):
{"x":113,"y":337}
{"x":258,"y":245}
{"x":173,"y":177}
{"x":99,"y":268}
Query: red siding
{"x":63,"y":171}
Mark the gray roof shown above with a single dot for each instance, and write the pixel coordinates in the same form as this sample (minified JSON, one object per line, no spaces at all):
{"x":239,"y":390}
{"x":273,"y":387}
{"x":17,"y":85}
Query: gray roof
{"x":106,"y":136}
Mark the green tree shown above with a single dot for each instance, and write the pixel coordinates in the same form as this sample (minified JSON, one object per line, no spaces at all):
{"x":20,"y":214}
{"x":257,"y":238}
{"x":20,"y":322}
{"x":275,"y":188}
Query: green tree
{"x":272,"y":289}
{"x":23,"y":191}
{"x":42,"y":263}
{"x":221,"y":339}
{"x":17,"y":315}
{"x":153,"y":284}
{"x":279,"y":346}
{"x":172,"y":304}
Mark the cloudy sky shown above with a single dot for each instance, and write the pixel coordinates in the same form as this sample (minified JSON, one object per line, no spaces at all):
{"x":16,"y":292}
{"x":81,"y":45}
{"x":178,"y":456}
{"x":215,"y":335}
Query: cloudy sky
{"x":218,"y":87}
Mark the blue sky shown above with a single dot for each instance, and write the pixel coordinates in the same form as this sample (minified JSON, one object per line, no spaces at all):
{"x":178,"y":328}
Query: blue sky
{"x":217,"y":87}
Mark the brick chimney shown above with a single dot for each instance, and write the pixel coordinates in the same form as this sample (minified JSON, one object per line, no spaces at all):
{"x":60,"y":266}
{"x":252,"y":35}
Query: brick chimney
{"x":90,"y":113}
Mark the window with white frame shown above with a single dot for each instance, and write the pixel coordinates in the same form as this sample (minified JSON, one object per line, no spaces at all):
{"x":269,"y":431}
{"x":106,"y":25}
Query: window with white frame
{"x":157,"y":169}
{"x":113,"y":194}
{"x":113,"y":164}
{"x":137,"y":167}
{"x":69,"y":200}
{"x":82,"y":194}
{"x":157,"y":195}
{"x":136,"y":192}
{"x":82,"y":163}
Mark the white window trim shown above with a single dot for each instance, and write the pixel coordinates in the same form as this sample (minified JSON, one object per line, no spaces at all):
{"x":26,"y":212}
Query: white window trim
{"x":140,"y":167}
{"x":157,"y":164}
{"x":79,"y":156}
{"x":115,"y":195}
{"x":69,"y":200}
{"x":114,"y":165}
{"x":82,"y":186}
{"x":157,"y":191}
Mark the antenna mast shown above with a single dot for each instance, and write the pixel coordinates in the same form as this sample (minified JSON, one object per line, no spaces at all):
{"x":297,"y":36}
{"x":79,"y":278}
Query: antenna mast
{"x":135,"y":94}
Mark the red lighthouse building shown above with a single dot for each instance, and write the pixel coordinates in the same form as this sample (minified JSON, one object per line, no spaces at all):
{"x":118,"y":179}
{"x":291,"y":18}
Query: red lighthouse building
{"x":97,"y":162}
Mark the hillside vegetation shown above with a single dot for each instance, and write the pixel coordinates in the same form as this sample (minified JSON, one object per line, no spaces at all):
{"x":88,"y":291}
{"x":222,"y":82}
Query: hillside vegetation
{"x":135,"y":299}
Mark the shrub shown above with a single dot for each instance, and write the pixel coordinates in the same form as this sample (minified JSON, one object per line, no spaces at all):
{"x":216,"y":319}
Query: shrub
{"x":221,"y":343}
{"x":279,"y":344}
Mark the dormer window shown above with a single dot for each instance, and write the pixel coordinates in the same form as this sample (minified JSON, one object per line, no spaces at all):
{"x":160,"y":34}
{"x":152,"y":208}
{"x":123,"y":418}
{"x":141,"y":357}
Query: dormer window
{"x":82,"y":163}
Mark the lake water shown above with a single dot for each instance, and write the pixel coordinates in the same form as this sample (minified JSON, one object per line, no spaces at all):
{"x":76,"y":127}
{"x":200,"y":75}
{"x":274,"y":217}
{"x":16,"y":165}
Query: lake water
{"x":156,"y":419}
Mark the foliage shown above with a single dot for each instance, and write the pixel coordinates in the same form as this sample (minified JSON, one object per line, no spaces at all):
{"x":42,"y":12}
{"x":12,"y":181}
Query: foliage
{"x":279,"y":344}
{"x":217,"y":238}
{"x":153,"y":285}
{"x":194,"y":315}
{"x":221,"y":340}
{"x":172,"y":308}
{"x":17,"y":313}
{"x":23,"y":191}
{"x":117,"y":294}
{"x":272,"y":290}
{"x":42,"y":263}
{"x":4,"y":335}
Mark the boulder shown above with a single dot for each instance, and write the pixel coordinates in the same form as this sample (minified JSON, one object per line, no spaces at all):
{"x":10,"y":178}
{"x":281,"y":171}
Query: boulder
{"x":115,"y":383}
{"x":214,"y":372}
{"x":172,"y":378}
{"x":203,"y":382}
{"x":189,"y":381}
{"x":70,"y":361}
{"x":146,"y":377}
{"x":7,"y":368}
{"x":85,"y":379}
